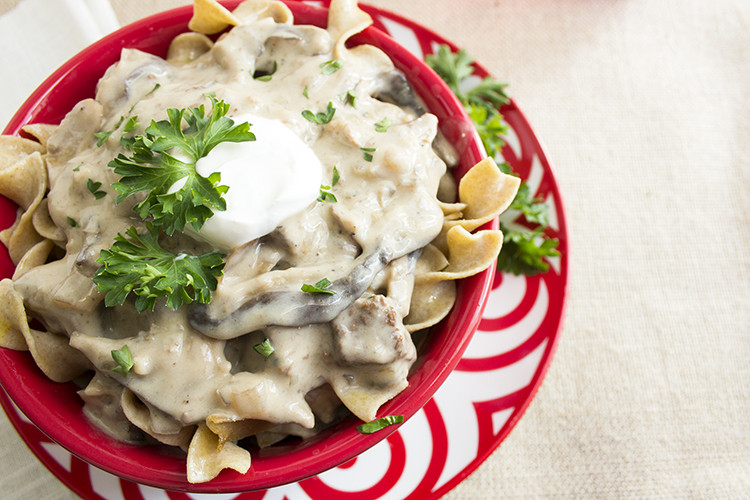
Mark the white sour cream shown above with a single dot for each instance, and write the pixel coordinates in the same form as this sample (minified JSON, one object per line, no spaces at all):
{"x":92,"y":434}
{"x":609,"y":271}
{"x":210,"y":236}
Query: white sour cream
{"x":271,"y":178}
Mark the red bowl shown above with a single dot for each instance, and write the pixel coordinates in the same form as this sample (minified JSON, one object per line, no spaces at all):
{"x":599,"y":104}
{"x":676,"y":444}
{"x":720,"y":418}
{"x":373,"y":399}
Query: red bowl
{"x":56,"y":408}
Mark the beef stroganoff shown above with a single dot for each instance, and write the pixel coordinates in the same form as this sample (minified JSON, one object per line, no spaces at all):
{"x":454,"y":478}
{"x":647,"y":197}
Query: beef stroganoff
{"x":339,"y":234}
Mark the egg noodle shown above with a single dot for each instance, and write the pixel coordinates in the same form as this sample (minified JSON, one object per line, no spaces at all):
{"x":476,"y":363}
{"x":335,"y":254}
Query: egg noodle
{"x":311,"y":319}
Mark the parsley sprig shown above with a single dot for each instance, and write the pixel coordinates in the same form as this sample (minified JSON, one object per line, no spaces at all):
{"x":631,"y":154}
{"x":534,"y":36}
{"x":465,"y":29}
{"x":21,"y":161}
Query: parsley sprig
{"x":141,"y":266}
{"x":524,"y":249}
{"x":168,"y":153}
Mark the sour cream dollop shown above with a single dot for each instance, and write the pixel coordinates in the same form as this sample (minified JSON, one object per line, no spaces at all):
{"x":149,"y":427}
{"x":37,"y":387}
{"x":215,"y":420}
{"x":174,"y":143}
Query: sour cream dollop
{"x":271,"y":178}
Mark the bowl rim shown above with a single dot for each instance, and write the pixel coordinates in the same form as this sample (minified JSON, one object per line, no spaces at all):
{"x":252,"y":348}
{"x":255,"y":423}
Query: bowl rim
{"x":26,"y":385}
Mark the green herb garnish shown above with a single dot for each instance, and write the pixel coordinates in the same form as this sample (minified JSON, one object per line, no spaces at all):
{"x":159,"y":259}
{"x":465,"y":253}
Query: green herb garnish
{"x":265,"y":75}
{"x":383,"y":125}
{"x":367,"y":153}
{"x":141,"y":266}
{"x":320,"y":118}
{"x":349,"y":97}
{"x":325,"y":193}
{"x":94,"y":189}
{"x":524,"y":249}
{"x":380,"y":424}
{"x":130,"y":124}
{"x":72,"y":222}
{"x":319,"y":287}
{"x":335,"y":176}
{"x":265,"y":348}
{"x":167,"y":154}
{"x":330,"y":67}
{"x":103,"y":136}
{"x":124,"y":360}
{"x":305,"y":93}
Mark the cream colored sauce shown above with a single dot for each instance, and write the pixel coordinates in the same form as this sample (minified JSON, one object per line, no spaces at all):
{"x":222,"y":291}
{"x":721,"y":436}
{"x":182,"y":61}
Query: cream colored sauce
{"x":198,"y":361}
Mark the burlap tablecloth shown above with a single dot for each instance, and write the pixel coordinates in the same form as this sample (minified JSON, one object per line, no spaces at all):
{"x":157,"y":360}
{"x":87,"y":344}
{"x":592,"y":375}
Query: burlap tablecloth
{"x":643,"y":107}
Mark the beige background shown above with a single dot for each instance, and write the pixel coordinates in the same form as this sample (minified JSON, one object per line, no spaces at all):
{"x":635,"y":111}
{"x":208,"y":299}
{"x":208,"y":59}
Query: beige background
{"x":643,"y":107}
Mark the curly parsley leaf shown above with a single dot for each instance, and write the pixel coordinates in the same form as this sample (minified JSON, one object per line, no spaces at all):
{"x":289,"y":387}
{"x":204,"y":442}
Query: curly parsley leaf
{"x":452,"y":67}
{"x":124,"y":359}
{"x":490,"y":126}
{"x":524,"y":250}
{"x":141,"y":266}
{"x":163,"y":165}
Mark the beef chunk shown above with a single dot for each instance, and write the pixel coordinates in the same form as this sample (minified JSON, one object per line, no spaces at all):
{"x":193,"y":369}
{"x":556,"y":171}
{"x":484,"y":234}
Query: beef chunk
{"x":370,"y":331}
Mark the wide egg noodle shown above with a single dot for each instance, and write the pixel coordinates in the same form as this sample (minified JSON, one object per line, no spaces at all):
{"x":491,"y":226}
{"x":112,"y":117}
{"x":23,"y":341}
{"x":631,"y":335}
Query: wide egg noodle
{"x":210,"y":17}
{"x":468,"y":254}
{"x":51,"y":352}
{"x":25,"y":182}
{"x":41,"y":132}
{"x":229,"y":429}
{"x":187,"y":47}
{"x":431,"y":302}
{"x":208,"y":455}
{"x":248,"y":12}
{"x":155,"y":422}
{"x":12,"y":318}
{"x":36,"y":256}
{"x":487,"y":192}
{"x":45,"y":226}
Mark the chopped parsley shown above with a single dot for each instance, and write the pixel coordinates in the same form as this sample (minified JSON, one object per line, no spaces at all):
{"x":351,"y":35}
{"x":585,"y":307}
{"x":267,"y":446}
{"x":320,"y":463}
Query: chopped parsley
{"x":320,"y":118}
{"x":380,"y":424}
{"x":325,"y":191}
{"x":124,"y":360}
{"x":330,"y":67}
{"x":265,"y":75}
{"x":367,"y":153}
{"x":94,"y":189}
{"x":265,"y":348}
{"x":130,"y":125}
{"x":327,"y":195}
{"x":305,"y":92}
{"x":383,"y":125}
{"x":321,"y":286}
{"x":72,"y":222}
{"x":103,"y":136}
{"x":349,"y":97}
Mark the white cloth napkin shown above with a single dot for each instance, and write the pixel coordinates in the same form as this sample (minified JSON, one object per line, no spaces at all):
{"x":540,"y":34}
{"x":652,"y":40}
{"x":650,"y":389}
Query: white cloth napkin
{"x":37,"y":36}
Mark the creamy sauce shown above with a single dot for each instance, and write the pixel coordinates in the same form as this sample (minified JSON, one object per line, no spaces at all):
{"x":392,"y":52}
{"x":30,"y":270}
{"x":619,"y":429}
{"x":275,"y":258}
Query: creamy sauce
{"x":199,"y":362}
